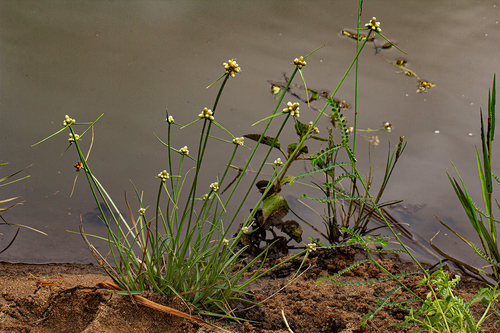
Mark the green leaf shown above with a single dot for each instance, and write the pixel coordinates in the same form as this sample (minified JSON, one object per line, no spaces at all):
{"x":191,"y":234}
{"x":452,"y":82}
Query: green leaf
{"x":318,"y":138}
{"x":267,"y":140}
{"x":323,"y":169}
{"x":314,"y":95}
{"x":292,"y":146}
{"x":274,"y":203}
{"x":287,"y":179}
{"x":293,"y":229}
{"x":301,"y":129}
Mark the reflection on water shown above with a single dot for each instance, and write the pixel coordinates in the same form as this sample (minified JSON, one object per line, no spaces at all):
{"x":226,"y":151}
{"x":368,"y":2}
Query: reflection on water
{"x":131,"y":60}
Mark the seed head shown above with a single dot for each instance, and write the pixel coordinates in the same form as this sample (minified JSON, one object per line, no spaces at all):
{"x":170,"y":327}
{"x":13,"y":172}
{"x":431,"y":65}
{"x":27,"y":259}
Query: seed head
{"x":206,"y":113}
{"x":232,"y":67}
{"x":292,"y":108}
{"x":373,"y":25}
{"x":68,"y":121}
{"x":238,"y":141}
{"x":299,"y":62}
{"x":163,"y":175}
{"x":214,"y":186}
{"x":311,"y":247}
{"x":315,"y":130}
{"x":73,"y":139}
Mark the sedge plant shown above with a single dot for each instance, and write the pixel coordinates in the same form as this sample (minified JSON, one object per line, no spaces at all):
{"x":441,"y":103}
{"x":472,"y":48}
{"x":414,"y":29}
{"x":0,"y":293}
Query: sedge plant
{"x":181,"y":246}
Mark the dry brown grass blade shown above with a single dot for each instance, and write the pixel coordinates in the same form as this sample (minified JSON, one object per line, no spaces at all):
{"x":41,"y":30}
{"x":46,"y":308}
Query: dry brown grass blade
{"x":143,"y":301}
{"x":286,"y":321}
{"x":479,"y":272}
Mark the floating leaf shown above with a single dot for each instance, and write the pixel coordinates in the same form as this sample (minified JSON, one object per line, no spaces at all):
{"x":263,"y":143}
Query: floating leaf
{"x":267,"y":140}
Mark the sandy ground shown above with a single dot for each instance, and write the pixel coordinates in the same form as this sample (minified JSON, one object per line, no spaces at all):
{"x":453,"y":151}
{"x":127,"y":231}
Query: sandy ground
{"x":62,"y":298}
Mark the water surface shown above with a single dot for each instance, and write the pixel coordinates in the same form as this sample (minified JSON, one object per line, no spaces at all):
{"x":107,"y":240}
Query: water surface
{"x":131,"y":60}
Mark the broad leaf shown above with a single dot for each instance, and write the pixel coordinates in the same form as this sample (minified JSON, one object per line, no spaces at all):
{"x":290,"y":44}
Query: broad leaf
{"x":292,"y":146}
{"x":274,"y":203}
{"x":267,"y":140}
{"x":293,"y":229}
{"x":301,"y":129}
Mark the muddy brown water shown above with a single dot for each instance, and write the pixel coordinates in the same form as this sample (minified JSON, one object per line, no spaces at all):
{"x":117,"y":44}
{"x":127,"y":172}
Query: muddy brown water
{"x":131,"y":60}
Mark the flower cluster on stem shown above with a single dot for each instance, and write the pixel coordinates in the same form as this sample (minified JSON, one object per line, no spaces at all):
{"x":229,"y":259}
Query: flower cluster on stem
{"x":278,"y":162}
{"x":373,"y":25}
{"x":293,"y":109}
{"x":163,"y":175}
{"x":214,"y":186}
{"x":68,"y":121}
{"x":299,"y":62}
{"x":238,"y":141}
{"x":73,"y":138}
{"x":315,"y":130}
{"x":170,"y":119}
{"x":206,"y":113}
{"x":184,"y":150}
{"x":311,"y":247}
{"x":232,"y":67}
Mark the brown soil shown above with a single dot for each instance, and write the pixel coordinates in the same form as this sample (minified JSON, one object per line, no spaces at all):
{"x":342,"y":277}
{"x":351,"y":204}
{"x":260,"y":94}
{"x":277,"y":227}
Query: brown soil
{"x":67,"y":302}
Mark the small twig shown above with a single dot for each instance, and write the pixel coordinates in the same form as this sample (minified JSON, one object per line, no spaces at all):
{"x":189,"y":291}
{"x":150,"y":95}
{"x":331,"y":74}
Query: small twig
{"x":286,"y":322}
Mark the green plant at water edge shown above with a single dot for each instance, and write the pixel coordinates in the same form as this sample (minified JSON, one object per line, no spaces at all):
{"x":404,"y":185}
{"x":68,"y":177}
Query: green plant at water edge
{"x":346,"y":208}
{"x":482,"y":221}
{"x":356,"y":237}
{"x":6,"y":208}
{"x":358,"y":210}
{"x":181,"y":246}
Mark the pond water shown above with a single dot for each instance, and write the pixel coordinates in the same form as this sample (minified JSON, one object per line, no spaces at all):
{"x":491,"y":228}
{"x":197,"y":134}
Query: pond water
{"x":131,"y":60}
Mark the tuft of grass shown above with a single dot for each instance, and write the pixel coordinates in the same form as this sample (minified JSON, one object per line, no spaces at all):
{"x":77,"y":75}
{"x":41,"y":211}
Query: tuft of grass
{"x":483,"y":222}
{"x":9,"y":200}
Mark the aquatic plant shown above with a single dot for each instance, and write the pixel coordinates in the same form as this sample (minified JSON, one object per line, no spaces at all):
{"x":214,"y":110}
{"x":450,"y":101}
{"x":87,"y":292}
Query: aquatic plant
{"x":6,"y":208}
{"x":483,"y":222}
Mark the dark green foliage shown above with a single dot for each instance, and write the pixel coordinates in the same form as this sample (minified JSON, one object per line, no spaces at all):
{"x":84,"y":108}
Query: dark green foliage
{"x":267,"y":140}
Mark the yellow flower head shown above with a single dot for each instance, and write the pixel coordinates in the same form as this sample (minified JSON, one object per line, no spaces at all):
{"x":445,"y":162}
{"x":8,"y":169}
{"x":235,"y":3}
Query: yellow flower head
{"x":206,"y":113}
{"x":292,"y":108}
{"x":299,"y":62}
{"x":373,"y":25}
{"x":232,"y":67}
